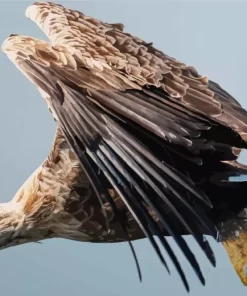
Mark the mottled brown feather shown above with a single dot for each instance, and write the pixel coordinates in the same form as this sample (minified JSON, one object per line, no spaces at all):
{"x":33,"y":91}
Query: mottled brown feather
{"x":107,"y":66}
{"x":97,"y":43}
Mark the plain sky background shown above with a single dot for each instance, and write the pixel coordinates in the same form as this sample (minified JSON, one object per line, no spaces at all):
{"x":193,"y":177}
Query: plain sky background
{"x":210,"y":36}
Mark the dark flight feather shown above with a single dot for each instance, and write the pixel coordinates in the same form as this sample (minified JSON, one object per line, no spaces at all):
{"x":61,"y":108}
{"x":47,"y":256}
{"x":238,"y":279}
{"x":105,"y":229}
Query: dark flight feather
{"x":142,"y":124}
{"x":90,"y":128}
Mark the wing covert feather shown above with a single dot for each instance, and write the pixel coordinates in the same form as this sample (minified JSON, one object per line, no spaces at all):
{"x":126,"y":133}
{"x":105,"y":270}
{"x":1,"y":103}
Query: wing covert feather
{"x":128,"y":111}
{"x":101,"y":45}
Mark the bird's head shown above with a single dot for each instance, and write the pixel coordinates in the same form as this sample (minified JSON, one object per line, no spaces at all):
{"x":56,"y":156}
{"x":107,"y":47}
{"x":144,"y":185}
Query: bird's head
{"x":26,"y":218}
{"x":16,"y":228}
{"x":12,"y":225}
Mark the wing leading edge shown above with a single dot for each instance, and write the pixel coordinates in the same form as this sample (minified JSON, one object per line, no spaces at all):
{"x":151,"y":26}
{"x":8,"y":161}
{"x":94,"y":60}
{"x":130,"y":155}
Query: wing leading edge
{"x":129,"y":124}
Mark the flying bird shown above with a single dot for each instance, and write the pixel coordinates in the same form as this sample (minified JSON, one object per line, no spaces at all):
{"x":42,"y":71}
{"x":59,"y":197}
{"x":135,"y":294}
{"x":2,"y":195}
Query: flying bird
{"x":145,"y":146}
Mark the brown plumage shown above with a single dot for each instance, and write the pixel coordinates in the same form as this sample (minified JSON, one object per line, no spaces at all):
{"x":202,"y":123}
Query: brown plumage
{"x":58,"y":201}
{"x":145,"y":145}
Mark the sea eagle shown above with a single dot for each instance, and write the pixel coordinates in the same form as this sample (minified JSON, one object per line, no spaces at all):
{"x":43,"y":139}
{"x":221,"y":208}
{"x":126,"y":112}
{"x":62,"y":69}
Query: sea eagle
{"x":145,"y":146}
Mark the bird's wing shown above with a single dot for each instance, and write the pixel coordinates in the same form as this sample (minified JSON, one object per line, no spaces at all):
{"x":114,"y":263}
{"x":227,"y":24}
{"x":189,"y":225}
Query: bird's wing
{"x":114,"y":134}
{"x":128,"y":111}
{"x":102,"y":43}
{"x":81,"y":202}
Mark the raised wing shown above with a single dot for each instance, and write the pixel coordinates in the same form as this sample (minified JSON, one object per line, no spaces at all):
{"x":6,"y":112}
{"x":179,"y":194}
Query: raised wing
{"x":118,"y":146}
{"x":140,"y":122}
{"x":101,"y":44}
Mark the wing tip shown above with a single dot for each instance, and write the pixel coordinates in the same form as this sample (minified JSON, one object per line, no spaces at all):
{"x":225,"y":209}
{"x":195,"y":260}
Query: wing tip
{"x":31,"y":11}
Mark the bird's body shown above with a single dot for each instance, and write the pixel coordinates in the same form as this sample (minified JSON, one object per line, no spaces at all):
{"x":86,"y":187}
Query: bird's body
{"x":58,"y":201}
{"x":144,"y":146}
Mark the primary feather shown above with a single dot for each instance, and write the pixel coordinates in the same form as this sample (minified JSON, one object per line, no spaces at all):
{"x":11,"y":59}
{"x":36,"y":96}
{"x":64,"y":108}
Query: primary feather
{"x":149,"y":134}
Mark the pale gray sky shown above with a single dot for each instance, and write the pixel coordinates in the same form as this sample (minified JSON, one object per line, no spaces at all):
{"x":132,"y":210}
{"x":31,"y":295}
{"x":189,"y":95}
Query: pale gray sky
{"x":211,"y":37}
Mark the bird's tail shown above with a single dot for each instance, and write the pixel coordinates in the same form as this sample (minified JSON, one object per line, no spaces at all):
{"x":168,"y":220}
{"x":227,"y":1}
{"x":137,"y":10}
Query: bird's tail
{"x":228,"y":191}
{"x":237,"y":252}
